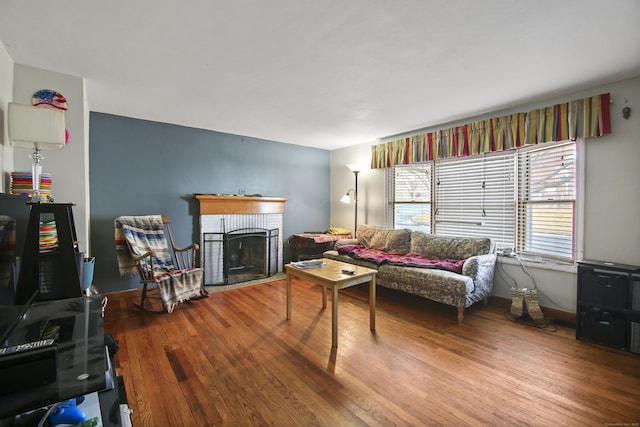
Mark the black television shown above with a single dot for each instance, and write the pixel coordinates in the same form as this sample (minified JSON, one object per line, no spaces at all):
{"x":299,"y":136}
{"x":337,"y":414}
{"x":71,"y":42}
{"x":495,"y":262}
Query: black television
{"x":14,"y":219}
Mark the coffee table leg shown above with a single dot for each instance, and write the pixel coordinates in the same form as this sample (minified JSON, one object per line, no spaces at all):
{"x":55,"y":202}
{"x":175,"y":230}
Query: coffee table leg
{"x":324,"y":297}
{"x":372,"y":303}
{"x":288,"y":296}
{"x":334,"y":318}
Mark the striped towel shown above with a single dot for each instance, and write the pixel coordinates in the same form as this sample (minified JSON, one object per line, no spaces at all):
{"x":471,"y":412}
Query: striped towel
{"x":179,"y":286}
{"x":144,"y":234}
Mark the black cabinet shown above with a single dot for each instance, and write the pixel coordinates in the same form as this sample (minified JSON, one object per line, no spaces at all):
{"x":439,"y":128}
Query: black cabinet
{"x":608,"y":309}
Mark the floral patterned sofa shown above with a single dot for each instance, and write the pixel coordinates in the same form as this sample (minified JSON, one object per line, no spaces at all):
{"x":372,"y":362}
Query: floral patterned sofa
{"x":457,"y":271}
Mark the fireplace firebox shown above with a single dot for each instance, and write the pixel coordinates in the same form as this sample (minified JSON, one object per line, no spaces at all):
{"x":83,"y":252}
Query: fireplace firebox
{"x":246,"y":254}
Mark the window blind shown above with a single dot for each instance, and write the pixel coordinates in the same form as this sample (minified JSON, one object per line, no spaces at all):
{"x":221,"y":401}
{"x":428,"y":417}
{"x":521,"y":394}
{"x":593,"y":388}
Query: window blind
{"x":475,"y":197}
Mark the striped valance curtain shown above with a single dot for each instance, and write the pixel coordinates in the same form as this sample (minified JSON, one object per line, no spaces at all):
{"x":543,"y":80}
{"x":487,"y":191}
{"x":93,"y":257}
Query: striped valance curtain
{"x":584,"y":118}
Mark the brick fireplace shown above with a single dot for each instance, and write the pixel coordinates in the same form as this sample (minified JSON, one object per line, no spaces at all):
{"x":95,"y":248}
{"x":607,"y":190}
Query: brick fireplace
{"x":240,"y":237}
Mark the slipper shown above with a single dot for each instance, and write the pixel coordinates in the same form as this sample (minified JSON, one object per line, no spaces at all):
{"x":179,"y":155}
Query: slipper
{"x":517,"y":301}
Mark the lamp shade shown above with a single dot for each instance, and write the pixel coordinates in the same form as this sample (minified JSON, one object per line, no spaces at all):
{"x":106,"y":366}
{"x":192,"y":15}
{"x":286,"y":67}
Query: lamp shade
{"x":356,"y":167}
{"x":41,"y":126}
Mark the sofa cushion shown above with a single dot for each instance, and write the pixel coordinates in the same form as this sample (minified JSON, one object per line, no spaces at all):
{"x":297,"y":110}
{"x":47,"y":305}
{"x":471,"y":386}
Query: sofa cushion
{"x":450,"y":287}
{"x":345,"y":242}
{"x":392,"y":241}
{"x":365,"y":234}
{"x":448,"y":247}
{"x":383,"y":239}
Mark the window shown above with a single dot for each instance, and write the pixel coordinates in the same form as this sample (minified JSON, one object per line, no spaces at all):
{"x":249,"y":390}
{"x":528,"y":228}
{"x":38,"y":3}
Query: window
{"x":546,"y":201}
{"x":411,"y":189}
{"x":523,"y":199}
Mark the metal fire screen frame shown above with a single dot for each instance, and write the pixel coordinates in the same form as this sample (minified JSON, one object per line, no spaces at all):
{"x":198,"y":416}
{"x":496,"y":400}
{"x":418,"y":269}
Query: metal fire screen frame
{"x":214,"y":254}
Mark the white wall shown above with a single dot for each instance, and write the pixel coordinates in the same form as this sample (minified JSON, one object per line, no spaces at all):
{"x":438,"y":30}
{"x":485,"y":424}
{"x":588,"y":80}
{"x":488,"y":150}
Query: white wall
{"x":371,"y":188}
{"x":69,"y":166}
{"x":612,"y":199}
{"x":6,"y":94}
{"x":612,"y":213}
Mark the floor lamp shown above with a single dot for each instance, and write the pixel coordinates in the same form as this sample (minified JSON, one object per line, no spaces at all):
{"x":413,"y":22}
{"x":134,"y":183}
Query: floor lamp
{"x":356,"y":169}
{"x":37,"y":128}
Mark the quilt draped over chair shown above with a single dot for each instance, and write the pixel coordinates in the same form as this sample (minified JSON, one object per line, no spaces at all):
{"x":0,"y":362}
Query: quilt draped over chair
{"x":142,"y":247}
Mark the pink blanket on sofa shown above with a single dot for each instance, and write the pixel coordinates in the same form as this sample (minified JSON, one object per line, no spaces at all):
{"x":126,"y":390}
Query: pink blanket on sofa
{"x":413,"y":260}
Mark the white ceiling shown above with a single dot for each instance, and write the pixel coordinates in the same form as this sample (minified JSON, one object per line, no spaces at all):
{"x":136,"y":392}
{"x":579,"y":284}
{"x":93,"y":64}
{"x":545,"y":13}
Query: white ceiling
{"x":323,"y":73}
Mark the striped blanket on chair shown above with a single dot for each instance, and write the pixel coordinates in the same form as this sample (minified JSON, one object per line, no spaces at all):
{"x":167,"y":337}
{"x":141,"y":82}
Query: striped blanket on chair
{"x":146,"y":234}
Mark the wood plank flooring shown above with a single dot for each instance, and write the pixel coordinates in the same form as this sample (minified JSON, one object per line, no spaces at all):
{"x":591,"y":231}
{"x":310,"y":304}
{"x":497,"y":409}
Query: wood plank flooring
{"x":234,"y":360}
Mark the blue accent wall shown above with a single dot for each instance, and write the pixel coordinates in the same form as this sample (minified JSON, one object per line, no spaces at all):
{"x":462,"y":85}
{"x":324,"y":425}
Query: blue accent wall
{"x":139,"y":167}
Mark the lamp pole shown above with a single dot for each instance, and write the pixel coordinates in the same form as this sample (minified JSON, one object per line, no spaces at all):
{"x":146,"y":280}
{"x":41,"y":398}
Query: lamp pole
{"x":356,"y":169}
{"x":36,"y":172}
{"x":355,"y":196}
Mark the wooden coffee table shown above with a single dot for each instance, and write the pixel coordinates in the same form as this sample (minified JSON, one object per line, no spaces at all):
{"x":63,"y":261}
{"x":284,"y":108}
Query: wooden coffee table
{"x":331,"y":277}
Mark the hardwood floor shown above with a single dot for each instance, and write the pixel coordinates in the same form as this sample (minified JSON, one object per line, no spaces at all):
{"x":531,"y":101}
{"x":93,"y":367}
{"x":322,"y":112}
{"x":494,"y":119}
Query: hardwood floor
{"x":234,"y":360}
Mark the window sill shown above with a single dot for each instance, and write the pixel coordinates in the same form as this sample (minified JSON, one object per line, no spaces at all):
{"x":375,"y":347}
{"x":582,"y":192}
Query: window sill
{"x":539,"y":263}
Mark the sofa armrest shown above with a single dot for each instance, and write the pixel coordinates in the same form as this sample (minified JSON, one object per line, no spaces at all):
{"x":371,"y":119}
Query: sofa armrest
{"x":481,"y":268}
{"x":345,"y":242}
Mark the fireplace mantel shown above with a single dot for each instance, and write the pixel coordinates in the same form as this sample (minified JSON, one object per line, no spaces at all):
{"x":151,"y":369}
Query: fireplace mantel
{"x":215,"y":204}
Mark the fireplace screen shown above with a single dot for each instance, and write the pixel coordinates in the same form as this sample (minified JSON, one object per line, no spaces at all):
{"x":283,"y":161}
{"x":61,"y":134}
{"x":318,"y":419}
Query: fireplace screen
{"x":240,"y":255}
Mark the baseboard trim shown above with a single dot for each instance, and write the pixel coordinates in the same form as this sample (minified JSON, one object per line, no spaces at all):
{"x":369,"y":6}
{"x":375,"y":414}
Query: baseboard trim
{"x":557,"y":316}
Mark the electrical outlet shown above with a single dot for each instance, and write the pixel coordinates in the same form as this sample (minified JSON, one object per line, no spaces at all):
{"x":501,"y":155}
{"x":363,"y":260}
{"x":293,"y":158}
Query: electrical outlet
{"x":507,"y":252}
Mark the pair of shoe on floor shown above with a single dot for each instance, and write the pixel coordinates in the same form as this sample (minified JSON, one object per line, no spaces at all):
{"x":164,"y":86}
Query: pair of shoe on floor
{"x":521,"y":298}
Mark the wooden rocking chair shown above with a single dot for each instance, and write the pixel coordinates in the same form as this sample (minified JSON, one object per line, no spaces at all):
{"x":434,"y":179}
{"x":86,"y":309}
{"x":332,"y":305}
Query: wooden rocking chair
{"x":167,"y":273}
